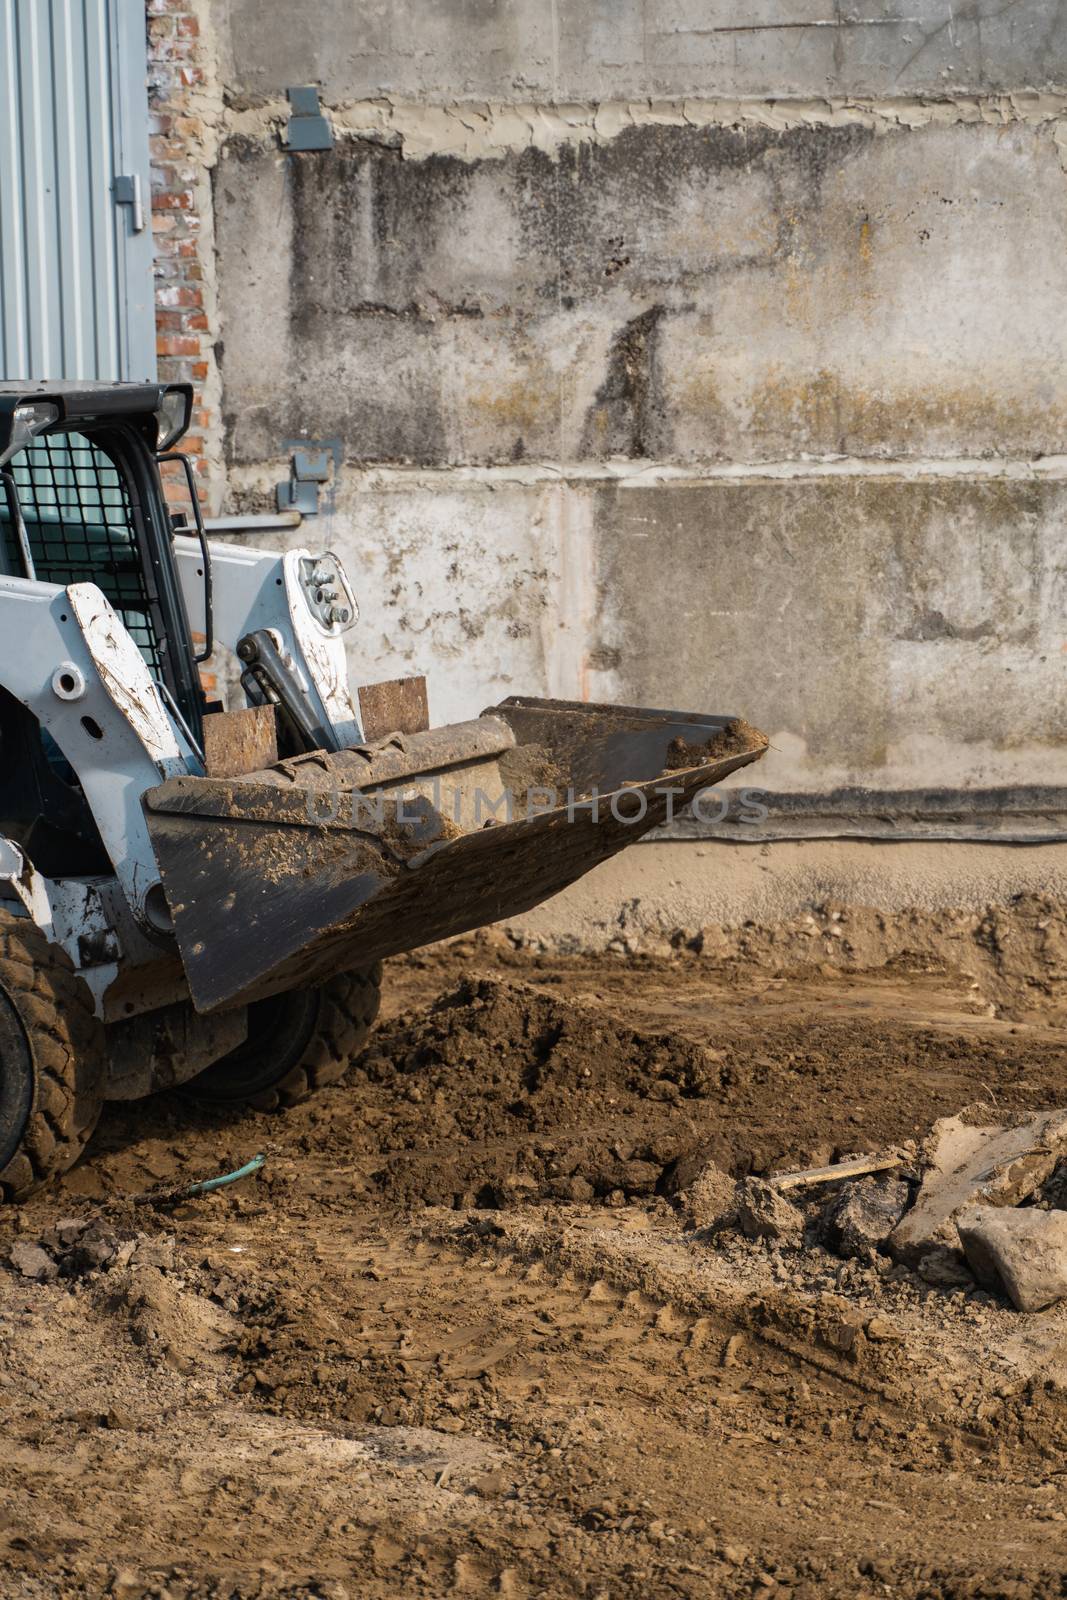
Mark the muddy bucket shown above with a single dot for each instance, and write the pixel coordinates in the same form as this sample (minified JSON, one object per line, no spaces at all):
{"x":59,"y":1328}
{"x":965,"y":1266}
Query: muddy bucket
{"x":329,"y":861}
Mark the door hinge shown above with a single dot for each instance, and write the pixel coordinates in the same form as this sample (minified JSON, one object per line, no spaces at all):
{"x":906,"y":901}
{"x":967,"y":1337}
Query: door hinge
{"x":127,"y":191}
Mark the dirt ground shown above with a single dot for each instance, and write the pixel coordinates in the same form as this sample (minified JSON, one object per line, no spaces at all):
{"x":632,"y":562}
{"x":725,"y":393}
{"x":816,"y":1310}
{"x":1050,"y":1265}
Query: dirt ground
{"x":456,"y":1337}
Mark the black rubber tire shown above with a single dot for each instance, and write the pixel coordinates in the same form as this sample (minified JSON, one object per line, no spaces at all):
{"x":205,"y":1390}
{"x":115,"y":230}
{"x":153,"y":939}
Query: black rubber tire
{"x":53,"y":1058}
{"x":297,"y":1042}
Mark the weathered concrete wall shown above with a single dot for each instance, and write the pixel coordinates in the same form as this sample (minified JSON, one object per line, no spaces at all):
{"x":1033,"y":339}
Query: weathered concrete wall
{"x":557,"y":50}
{"x":884,"y":633}
{"x":680,"y":294}
{"x":673,"y":359}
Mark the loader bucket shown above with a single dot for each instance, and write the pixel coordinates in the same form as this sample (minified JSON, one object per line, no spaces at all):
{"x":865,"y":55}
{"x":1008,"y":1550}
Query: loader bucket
{"x":329,"y":861}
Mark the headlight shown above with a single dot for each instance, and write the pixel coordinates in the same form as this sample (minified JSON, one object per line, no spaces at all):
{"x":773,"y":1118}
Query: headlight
{"x":28,"y":419}
{"x":172,"y":418}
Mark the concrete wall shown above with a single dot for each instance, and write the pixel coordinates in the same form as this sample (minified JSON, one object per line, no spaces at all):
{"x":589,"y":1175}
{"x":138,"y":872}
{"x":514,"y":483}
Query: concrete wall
{"x":887,"y":633}
{"x":682,"y":294}
{"x":595,"y":50}
{"x":673,"y":358}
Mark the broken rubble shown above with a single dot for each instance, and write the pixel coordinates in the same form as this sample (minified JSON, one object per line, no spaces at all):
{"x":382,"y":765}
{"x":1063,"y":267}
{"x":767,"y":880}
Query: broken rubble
{"x":765,"y":1214}
{"x":32,"y":1261}
{"x":968,"y":1166}
{"x":74,"y":1249}
{"x":64,"y":1233}
{"x":863,"y":1215}
{"x":99,"y":1250}
{"x":92,"y":1253}
{"x":883,"y":1331}
{"x":1022,"y":1251}
{"x":944,"y":1269}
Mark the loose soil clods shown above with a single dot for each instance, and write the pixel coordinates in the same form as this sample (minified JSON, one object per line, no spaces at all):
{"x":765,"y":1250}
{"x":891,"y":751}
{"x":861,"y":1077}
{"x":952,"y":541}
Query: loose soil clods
{"x":478,"y":1326}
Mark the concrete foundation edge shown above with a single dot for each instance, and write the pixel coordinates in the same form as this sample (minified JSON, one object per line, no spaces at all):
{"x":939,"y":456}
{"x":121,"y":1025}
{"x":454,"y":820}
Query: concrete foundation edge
{"x":651,"y":892}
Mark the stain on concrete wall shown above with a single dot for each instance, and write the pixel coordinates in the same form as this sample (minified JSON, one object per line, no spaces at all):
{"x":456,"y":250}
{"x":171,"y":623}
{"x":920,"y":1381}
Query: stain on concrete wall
{"x":679,"y":294}
{"x":490,"y":588}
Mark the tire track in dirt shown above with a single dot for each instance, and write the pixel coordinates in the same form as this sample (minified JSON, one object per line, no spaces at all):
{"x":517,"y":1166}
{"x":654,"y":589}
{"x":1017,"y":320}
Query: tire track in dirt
{"x":417,"y":1358}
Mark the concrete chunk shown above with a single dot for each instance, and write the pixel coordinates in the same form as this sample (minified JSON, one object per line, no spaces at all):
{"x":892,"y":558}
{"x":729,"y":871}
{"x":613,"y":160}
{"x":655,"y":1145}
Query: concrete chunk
{"x":864,"y":1215}
{"x":945,"y":1269}
{"x":32,"y":1261}
{"x":1022,"y":1252}
{"x":969,"y":1166}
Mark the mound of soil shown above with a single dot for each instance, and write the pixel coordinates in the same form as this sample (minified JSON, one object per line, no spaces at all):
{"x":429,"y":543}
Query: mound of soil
{"x":501,"y":1093}
{"x":494,"y":1072}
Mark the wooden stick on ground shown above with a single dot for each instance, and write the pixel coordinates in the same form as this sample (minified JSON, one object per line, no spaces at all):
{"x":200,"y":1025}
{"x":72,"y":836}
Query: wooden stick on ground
{"x":844,"y":1169}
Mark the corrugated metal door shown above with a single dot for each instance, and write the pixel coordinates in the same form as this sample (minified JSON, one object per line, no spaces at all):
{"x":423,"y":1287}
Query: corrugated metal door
{"x":76,"y":293}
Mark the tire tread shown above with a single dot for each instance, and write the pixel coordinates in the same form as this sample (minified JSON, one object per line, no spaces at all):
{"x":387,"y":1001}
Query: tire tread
{"x":348,"y":1007}
{"x":69,"y":1054}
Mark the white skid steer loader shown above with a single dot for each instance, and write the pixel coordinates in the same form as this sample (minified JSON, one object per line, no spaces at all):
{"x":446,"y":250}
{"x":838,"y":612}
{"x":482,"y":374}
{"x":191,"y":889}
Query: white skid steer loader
{"x":201,"y":896}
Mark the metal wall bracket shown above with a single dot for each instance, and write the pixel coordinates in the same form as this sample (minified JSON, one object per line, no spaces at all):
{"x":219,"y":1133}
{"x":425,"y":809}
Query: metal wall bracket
{"x":293,"y":495}
{"x":311,"y":466}
{"x":308,"y":469}
{"x":307,"y":128}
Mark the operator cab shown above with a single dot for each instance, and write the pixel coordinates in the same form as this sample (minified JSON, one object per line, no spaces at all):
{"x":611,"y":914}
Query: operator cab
{"x":81,"y":502}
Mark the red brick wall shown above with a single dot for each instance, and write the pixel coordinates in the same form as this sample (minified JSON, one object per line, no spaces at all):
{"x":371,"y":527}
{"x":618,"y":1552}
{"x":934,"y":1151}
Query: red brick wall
{"x":180,"y":192}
